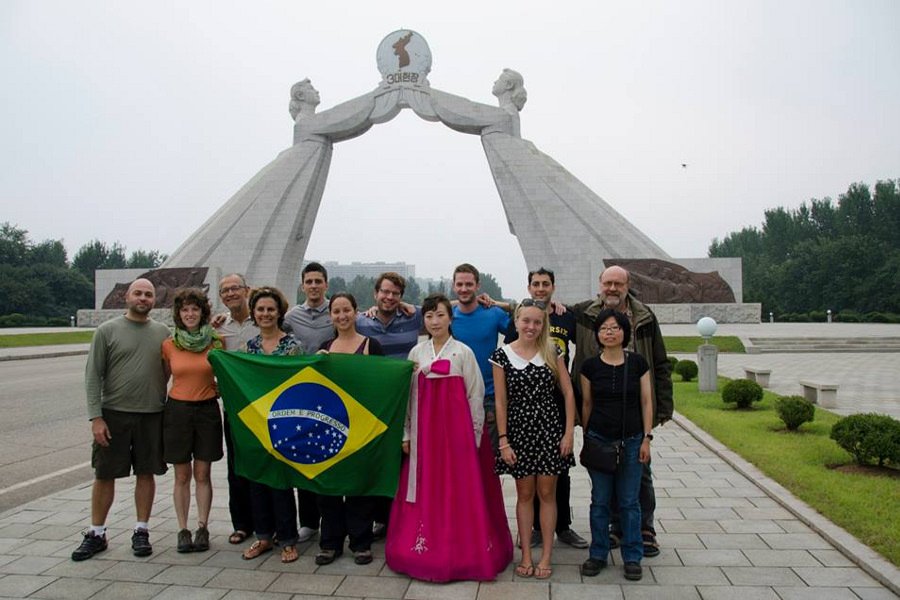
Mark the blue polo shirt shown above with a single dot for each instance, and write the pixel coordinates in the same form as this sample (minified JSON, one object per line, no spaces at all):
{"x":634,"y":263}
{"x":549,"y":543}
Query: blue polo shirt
{"x":398,"y":337}
{"x":479,"y":330}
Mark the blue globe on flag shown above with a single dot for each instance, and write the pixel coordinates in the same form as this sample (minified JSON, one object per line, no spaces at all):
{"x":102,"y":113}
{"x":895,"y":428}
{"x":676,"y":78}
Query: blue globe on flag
{"x":308,"y":423}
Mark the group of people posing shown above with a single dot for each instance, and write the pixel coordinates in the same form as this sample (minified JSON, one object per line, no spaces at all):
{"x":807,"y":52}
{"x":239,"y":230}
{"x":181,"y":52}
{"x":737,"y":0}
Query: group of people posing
{"x":475,"y":412}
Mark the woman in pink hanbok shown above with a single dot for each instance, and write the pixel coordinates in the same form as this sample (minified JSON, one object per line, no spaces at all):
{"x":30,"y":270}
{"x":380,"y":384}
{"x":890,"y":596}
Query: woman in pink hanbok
{"x":448,"y":521}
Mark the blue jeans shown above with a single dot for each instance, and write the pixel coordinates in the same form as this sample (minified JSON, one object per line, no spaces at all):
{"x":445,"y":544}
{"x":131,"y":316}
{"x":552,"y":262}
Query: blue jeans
{"x":627,"y":484}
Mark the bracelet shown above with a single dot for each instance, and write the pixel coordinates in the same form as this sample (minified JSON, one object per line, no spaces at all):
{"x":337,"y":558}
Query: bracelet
{"x":502,"y":435}
{"x":503,"y":446}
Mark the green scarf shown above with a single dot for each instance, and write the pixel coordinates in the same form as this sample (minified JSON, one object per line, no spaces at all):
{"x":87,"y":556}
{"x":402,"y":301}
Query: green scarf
{"x":196,"y":341}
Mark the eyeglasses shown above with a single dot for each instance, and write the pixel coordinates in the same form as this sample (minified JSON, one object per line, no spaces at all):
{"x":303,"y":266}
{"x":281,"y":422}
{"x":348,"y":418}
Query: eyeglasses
{"x":392,"y":293}
{"x":612,"y":329}
{"x":231,"y":289}
{"x":536,"y":303}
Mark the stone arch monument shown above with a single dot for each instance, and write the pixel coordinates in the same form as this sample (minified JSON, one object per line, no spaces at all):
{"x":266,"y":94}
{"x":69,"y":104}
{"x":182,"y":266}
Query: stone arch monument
{"x":264,"y":229}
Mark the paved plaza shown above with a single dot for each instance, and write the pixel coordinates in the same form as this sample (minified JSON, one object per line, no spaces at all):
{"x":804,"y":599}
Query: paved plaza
{"x":726,"y":531}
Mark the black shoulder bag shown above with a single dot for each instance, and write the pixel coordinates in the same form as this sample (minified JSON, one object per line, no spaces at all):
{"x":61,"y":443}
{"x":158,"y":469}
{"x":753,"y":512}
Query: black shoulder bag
{"x":606,"y":456}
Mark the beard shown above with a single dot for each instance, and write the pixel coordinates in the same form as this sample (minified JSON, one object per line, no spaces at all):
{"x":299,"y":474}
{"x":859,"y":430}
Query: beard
{"x":612,"y":301}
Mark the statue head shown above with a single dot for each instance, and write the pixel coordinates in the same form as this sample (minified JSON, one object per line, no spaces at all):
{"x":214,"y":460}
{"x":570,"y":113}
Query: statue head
{"x":304,"y":99}
{"x":510,"y":89}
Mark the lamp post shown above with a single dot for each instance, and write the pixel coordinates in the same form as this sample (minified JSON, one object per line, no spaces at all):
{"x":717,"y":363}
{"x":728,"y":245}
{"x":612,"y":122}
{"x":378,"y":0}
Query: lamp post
{"x":828,"y":312}
{"x":708,"y":355}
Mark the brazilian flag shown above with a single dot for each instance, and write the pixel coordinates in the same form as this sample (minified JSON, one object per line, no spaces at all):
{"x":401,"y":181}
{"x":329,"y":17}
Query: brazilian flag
{"x":329,"y":423}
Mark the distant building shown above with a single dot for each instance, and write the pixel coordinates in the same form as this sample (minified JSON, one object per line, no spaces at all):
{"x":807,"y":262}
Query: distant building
{"x":348,"y":272}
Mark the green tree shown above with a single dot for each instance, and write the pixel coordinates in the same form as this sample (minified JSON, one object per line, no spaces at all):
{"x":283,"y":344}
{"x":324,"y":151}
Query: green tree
{"x":97,"y":255}
{"x":143,"y":259}
{"x":13,"y":245}
{"x":490,"y":286}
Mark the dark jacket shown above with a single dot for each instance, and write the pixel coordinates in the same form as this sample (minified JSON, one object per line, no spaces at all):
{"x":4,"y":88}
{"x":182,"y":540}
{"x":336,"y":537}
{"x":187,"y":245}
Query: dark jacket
{"x":648,"y":342}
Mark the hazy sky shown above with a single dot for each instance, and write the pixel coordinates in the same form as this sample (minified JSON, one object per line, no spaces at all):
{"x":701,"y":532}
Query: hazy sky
{"x":136,"y":121}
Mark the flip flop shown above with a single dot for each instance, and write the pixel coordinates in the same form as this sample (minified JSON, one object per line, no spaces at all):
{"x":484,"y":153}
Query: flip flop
{"x":237,"y":536}
{"x":256,"y":549}
{"x":289,"y":554}
{"x":543,"y":572}
{"x":523,"y":570}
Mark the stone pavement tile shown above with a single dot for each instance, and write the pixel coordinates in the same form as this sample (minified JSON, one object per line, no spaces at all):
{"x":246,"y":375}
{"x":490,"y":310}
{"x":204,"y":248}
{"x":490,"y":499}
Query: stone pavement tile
{"x":706,"y":482}
{"x":306,"y":583}
{"x":513,"y":590}
{"x":117,"y":590}
{"x":19,"y":586}
{"x":373,"y":587}
{"x":741,"y":492}
{"x":764,"y":502}
{"x":679,"y":540}
{"x":57,"y":532}
{"x":689,"y":576}
{"x":71,"y":588}
{"x":237,"y":579}
{"x":693,"y":492}
{"x":178,"y":592}
{"x":667,"y":557}
{"x":672,"y":512}
{"x":6,"y":558}
{"x":190,"y":576}
{"x":87,"y":569}
{"x":230,"y":560}
{"x":831,"y":558}
{"x":741,"y":592}
{"x":313,"y":597}
{"x":713,"y":558}
{"x":795,"y":541}
{"x":458,"y":590}
{"x":304,"y":564}
{"x":820,"y":593}
{"x":19,"y":530}
{"x":774,"y":513}
{"x":669,"y":592}
{"x":47,"y":548}
{"x":10,"y":544}
{"x":670,"y":502}
{"x":836,"y":576}
{"x":780,"y":558}
{"x":762,"y":576}
{"x":663,"y":483}
{"x":25,"y":516}
{"x":246,"y":595}
{"x":690,"y":526}
{"x":130,"y":571}
{"x":709,"y":514}
{"x":874,"y":593}
{"x":742,"y":526}
{"x":571,"y":591}
{"x":30,"y":565}
{"x":66,"y":518}
{"x":719,"y":502}
{"x":794,"y":526}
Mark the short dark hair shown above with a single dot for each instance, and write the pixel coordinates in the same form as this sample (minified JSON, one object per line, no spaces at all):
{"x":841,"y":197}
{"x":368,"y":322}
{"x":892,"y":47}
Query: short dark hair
{"x":432,"y":301}
{"x":394,"y":278}
{"x":621,"y":320}
{"x":313,"y":267}
{"x":346,"y":295}
{"x":187,"y":296}
{"x":269,"y":292}
{"x":466,"y":268}
{"x":542,"y":271}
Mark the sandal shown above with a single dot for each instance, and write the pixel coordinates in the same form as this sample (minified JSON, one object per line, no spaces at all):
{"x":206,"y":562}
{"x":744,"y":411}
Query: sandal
{"x":543,"y":572}
{"x":289,"y":554}
{"x":256,"y":549}
{"x":237,"y":536}
{"x":524,"y":570}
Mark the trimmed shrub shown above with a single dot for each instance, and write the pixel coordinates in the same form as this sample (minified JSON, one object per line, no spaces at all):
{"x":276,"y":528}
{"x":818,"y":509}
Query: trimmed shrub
{"x":672,"y":361}
{"x":818,"y":316}
{"x":688,"y":369}
{"x":742,"y":392}
{"x":869,"y":437}
{"x":848,"y":316}
{"x":795,"y":411}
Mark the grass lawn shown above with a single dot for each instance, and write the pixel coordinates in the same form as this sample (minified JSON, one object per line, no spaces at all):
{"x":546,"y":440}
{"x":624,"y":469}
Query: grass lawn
{"x":676,"y":344}
{"x":863,"y":503}
{"x":45,"y":339}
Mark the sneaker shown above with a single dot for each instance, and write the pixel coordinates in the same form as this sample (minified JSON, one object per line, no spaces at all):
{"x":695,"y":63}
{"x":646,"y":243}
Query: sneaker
{"x":326,"y":557}
{"x":362,"y":557}
{"x":572,"y":539}
{"x":305,"y":534}
{"x":651,"y":547}
{"x":633,"y":571}
{"x":90,"y":545}
{"x":592,"y":567}
{"x":379,"y":531}
{"x":140,"y":543}
{"x":201,"y":539}
{"x":185,"y":544}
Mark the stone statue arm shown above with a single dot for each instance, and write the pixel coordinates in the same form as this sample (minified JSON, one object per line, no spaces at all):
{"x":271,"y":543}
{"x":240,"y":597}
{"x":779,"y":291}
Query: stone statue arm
{"x":339,"y":123}
{"x":461,"y":114}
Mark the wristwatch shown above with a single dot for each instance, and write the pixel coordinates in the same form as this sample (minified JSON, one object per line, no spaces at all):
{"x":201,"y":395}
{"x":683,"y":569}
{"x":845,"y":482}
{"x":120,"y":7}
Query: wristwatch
{"x":649,"y":436}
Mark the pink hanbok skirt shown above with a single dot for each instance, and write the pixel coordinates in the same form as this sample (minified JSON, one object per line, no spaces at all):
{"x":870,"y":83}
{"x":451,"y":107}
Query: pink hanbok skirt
{"x":456,"y":529}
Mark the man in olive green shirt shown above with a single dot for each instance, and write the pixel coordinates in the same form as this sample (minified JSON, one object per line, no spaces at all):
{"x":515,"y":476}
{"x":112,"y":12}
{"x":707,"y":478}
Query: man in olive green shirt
{"x":125,"y":383}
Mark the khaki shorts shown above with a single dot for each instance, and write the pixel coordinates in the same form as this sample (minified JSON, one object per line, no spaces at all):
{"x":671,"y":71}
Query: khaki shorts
{"x":192,"y":430}
{"x":136,"y":441}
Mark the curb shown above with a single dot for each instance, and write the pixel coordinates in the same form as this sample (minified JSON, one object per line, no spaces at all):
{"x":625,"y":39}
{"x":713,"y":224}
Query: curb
{"x":864,"y":557}
{"x":43,"y":355}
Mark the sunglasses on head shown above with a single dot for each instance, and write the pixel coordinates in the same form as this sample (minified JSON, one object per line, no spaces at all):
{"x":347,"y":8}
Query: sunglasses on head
{"x":532,"y":302}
